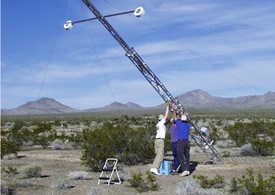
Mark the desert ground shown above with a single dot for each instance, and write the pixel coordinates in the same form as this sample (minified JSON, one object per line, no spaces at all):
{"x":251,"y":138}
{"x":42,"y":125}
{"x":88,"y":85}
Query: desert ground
{"x":57,"y":164}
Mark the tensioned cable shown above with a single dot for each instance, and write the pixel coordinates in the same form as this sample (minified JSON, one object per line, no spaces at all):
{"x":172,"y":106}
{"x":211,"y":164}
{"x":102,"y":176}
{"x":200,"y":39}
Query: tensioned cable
{"x":190,"y":50}
{"x":51,"y":54}
{"x":98,"y":60}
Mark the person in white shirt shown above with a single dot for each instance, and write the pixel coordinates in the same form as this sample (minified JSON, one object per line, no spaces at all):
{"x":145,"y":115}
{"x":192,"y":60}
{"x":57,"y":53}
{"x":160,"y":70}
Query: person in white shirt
{"x":159,"y":141}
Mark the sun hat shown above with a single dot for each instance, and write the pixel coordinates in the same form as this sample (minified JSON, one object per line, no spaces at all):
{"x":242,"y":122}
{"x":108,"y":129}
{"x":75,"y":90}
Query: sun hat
{"x":161,"y":116}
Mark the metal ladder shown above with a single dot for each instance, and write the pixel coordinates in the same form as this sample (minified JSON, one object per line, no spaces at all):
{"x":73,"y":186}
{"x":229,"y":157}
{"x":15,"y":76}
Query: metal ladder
{"x":108,"y":170}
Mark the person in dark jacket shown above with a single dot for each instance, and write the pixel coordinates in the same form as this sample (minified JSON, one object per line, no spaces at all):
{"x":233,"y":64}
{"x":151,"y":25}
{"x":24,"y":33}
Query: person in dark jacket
{"x":174,"y":144}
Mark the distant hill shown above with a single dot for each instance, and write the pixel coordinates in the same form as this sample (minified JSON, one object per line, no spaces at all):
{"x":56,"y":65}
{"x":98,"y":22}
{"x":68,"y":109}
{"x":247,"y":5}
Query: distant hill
{"x":201,"y":99}
{"x":116,"y":106}
{"x":41,"y":106}
{"x":196,"y":99}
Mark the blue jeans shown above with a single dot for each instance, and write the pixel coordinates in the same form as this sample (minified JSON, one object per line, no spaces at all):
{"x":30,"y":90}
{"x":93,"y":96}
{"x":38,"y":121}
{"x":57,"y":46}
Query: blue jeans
{"x":175,"y":155}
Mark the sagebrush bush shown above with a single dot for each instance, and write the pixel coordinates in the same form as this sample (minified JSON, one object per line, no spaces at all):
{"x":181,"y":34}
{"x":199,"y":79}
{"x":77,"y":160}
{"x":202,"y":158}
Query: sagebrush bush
{"x":188,"y":187}
{"x":79,"y":175}
{"x":191,"y":187}
{"x":57,"y":144}
{"x":31,"y":171}
{"x":247,"y":150}
{"x":61,"y":184}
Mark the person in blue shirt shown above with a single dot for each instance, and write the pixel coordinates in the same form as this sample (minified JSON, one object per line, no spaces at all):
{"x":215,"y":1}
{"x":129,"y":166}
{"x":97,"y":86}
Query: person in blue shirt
{"x":183,"y":147}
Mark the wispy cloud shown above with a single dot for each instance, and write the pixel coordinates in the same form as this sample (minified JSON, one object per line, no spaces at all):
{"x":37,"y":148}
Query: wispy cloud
{"x":223,"y":47}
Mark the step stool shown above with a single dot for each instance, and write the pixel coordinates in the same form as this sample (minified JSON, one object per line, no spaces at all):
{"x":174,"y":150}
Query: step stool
{"x":108,"y":170}
{"x":165,"y":168}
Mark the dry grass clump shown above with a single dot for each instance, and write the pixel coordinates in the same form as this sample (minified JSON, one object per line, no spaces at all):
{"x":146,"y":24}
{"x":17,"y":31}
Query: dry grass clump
{"x":57,"y":144}
{"x":193,"y":188}
{"x":247,"y":150}
{"x":79,"y":175}
{"x":31,"y":171}
{"x":61,"y":184}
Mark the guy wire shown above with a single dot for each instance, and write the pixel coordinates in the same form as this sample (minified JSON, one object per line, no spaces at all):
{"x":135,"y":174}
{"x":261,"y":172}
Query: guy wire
{"x":98,"y":60}
{"x":51,"y":54}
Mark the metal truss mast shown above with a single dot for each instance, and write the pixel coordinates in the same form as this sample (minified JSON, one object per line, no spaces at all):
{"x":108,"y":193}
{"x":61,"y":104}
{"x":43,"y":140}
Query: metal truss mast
{"x":199,"y":135}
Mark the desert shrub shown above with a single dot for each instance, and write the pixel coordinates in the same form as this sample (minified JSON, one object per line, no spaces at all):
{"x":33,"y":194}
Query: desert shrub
{"x":41,"y":140}
{"x":139,"y":147}
{"x":191,"y":187}
{"x":12,"y":140}
{"x":240,"y":133}
{"x":61,"y":184}
{"x":247,"y":150}
{"x":188,"y":187}
{"x":262,"y":146}
{"x":233,"y":185}
{"x":97,"y":146}
{"x":130,"y":146}
{"x":142,"y":184}
{"x":79,"y":175}
{"x":245,"y":133}
{"x":57,"y":144}
{"x":8,"y":147}
{"x":214,"y":133}
{"x":75,"y":140}
{"x":205,"y":182}
{"x":95,"y":191}
{"x":248,"y":184}
{"x":31,"y":171}
{"x":42,"y":128}
{"x":10,"y":170}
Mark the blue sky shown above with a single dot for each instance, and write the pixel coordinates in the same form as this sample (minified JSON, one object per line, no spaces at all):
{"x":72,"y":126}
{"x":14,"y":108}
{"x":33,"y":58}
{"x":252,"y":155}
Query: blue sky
{"x":226,"y":48}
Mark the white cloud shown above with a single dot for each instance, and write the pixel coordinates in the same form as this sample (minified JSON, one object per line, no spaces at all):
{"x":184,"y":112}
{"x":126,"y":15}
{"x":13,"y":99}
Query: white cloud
{"x":223,"y":47}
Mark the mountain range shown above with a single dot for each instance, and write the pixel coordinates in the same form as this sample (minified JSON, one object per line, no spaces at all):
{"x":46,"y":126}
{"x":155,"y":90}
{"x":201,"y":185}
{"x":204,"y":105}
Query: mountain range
{"x":196,"y":99}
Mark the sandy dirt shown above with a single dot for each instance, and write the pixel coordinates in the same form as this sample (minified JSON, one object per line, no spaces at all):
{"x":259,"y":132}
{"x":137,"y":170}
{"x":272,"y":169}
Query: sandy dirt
{"x":57,"y":164}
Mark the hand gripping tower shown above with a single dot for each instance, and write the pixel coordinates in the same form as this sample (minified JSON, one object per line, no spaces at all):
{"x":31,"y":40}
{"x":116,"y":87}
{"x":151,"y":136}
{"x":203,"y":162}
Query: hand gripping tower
{"x":199,"y":135}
